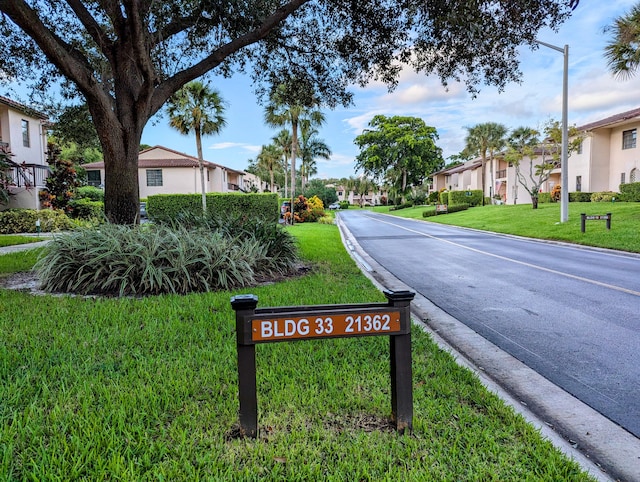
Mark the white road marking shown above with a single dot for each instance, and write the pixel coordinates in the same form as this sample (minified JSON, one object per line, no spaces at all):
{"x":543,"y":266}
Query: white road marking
{"x":504,"y":258}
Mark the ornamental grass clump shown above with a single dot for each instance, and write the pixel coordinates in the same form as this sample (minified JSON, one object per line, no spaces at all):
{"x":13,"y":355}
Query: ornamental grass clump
{"x":150,"y":260}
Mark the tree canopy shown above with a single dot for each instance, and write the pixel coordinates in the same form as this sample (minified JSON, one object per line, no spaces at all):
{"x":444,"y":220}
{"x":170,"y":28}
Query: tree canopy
{"x":623,"y":49}
{"x":128,"y":57}
{"x":400,"y":149}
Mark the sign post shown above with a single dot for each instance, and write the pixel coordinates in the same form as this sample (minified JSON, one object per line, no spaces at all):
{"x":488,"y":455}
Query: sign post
{"x":584,"y":218}
{"x":266,"y":325}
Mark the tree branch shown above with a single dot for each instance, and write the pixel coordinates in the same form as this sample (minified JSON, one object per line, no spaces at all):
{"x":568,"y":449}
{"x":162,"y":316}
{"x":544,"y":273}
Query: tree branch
{"x":93,"y":28}
{"x":172,"y":84}
{"x":67,"y":59}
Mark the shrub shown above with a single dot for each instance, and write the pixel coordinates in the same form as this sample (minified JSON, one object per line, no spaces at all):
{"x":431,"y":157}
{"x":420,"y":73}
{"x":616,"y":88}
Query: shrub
{"x":165,"y":207}
{"x":451,"y":208}
{"x":454,"y":208}
{"x":433,"y":197}
{"x":471,"y":198}
{"x":579,"y":197}
{"x":85,"y":208}
{"x":14,"y":221}
{"x":604,"y":196}
{"x":544,"y":197}
{"x":555,"y":193}
{"x":90,"y":192}
{"x":408,"y":204}
{"x":154,"y":259}
{"x":444,"y":197}
{"x":60,"y":183}
{"x":630,"y":192}
{"x":325,"y":220}
{"x":344,"y":204}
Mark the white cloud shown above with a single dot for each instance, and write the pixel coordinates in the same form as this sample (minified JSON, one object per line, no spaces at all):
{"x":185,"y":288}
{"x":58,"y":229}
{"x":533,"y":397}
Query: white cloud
{"x":225,"y":145}
{"x":236,"y":145}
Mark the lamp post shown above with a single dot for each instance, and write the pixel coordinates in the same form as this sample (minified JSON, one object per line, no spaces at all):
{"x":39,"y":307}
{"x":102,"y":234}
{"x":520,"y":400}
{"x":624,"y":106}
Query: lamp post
{"x":564,"y":176}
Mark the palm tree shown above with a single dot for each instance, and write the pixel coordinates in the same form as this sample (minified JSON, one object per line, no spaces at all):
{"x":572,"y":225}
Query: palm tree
{"x":285,"y":109}
{"x":481,"y":139}
{"x":199,"y":109}
{"x":311,"y":148}
{"x":283,"y":141}
{"x":623,"y":50}
{"x":269,"y":159}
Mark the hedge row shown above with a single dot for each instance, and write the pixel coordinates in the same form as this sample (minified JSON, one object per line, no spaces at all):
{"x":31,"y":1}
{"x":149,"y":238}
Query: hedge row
{"x":584,"y":197}
{"x":165,"y":207}
{"x":471,"y":198}
{"x":14,"y":221}
{"x":452,"y":208}
{"x":630,"y":192}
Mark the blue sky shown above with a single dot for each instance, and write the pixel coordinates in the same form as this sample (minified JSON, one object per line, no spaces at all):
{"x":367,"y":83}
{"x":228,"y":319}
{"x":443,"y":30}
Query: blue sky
{"x":593,"y":94}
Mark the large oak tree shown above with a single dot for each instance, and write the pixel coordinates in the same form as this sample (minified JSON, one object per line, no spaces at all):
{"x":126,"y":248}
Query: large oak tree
{"x":127,"y":57}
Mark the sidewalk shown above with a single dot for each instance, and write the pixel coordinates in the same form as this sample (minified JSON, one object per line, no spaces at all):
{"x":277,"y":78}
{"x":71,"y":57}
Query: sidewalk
{"x":23,"y":247}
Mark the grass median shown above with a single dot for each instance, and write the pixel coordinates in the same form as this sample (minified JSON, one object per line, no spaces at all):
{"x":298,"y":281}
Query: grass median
{"x":146,"y":389}
{"x":544,"y":222}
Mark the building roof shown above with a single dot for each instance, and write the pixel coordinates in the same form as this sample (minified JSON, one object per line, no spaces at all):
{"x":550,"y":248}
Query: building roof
{"x":151,"y":163}
{"x":466,"y":166}
{"x":611,"y":120}
{"x":180,"y":160}
{"x":23,"y":108}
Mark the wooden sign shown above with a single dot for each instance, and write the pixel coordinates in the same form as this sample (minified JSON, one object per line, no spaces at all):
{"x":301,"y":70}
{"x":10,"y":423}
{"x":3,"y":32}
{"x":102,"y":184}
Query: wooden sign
{"x":292,"y":323}
{"x":594,"y":217}
{"x":325,"y":326}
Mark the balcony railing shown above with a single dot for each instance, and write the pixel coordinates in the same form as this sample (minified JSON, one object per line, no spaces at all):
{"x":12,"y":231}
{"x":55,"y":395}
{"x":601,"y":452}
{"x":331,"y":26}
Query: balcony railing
{"x":501,"y":174}
{"x":29,"y":175}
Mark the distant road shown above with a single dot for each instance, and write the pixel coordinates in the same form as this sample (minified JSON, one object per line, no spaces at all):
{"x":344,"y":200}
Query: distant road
{"x":572,"y":314}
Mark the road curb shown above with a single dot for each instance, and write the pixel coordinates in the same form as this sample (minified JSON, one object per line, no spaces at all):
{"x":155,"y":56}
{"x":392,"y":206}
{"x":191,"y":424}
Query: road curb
{"x":601,"y":447}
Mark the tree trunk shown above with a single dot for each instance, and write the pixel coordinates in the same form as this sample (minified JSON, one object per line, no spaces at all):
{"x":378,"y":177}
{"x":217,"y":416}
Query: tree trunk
{"x":483,"y":177}
{"x":534,"y":202}
{"x":272,"y":183}
{"x":493,"y":184}
{"x":201,"y":166}
{"x":121,"y":187}
{"x":294,"y":153}
{"x":120,"y":146}
{"x":286,"y":176}
{"x":404,"y":183}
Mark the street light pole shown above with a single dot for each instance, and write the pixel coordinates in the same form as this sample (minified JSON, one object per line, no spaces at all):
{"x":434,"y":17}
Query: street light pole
{"x":564,"y":175}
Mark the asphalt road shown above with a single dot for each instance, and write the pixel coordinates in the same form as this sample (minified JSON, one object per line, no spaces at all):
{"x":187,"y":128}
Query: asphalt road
{"x":572,"y":314}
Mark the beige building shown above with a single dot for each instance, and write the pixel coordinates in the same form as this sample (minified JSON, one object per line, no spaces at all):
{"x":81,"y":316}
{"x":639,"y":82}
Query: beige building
{"x":164,"y":171}
{"x":608,"y":156}
{"x":23,"y":134}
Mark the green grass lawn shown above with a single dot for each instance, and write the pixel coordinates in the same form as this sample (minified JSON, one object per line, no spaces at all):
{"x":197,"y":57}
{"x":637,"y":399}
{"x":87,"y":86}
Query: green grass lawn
{"x":544,"y":222}
{"x":12,"y":239}
{"x":146,"y":389}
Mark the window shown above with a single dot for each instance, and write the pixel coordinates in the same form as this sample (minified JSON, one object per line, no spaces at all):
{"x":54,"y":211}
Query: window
{"x":633,"y":177}
{"x":93,"y":178}
{"x":578,"y":183}
{"x":622,"y":178}
{"x":25,"y":133}
{"x":579,"y":149}
{"x":154,"y":177}
{"x":629,"y":139}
